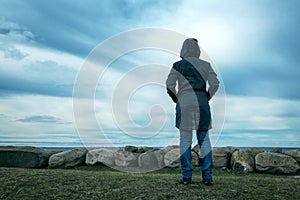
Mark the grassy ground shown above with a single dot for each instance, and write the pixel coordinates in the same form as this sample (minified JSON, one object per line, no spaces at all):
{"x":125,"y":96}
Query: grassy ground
{"x":99,"y":182}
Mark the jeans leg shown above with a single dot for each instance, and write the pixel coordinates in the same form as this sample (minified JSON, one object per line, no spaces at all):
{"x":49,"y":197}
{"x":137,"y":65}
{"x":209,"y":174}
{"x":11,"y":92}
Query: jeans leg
{"x":185,"y":153}
{"x":206,"y":154}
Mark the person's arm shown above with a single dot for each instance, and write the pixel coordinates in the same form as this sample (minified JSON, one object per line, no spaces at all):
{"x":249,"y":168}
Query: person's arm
{"x":213,"y":82}
{"x":171,"y":84}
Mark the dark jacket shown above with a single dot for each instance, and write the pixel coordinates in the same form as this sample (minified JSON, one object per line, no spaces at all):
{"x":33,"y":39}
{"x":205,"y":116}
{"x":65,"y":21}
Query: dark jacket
{"x":191,"y":76}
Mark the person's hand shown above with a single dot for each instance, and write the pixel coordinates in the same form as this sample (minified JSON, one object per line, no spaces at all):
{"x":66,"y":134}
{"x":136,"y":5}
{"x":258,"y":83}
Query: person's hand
{"x":208,"y":95}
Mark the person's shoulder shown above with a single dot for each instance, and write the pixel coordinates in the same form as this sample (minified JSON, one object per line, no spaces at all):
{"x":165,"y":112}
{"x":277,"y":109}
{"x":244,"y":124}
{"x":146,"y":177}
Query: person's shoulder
{"x":181,"y":62}
{"x":204,"y":62}
{"x":178,"y":62}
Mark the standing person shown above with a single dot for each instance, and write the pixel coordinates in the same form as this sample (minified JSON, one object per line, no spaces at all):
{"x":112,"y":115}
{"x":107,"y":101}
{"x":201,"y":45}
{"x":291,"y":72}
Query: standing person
{"x":190,"y":75}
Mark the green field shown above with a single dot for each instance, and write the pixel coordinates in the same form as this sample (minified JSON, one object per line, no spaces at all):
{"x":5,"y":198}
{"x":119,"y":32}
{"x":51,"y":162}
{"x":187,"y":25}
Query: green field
{"x":100,"y":182}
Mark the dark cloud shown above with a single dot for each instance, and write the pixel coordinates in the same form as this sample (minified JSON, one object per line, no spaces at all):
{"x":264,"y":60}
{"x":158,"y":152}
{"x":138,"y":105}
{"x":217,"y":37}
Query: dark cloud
{"x":42,"y":119}
{"x":41,"y":77}
{"x":14,"y":54}
{"x":262,"y":80}
{"x":78,"y":26}
{"x":11,"y":31}
{"x":4,"y":31}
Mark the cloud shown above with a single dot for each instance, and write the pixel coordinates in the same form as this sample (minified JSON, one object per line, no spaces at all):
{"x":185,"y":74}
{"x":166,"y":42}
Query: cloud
{"x":28,"y":68}
{"x":41,"y":77}
{"x":77,"y":27}
{"x":260,"y":121}
{"x":43,"y":44}
{"x":12,"y":31}
{"x":42,"y":119}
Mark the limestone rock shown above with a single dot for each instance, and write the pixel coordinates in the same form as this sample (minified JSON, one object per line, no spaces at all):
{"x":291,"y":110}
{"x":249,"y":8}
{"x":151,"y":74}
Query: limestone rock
{"x":253,"y":151}
{"x":24,"y":157}
{"x":104,"y":156}
{"x":170,"y":147}
{"x":196,"y":149}
{"x":195,"y":159}
{"x":295,"y":154}
{"x":144,"y":149}
{"x":130,"y":148}
{"x":172,"y":158}
{"x":277,"y":150}
{"x":276,"y":163}
{"x":67,"y":159}
{"x":151,"y":160}
{"x":125,"y":159}
{"x":242,"y":161}
{"x":221,"y":156}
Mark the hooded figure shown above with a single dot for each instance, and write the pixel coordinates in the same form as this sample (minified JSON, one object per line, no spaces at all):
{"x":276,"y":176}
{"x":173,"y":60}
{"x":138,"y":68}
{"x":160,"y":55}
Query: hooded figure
{"x":191,"y":75}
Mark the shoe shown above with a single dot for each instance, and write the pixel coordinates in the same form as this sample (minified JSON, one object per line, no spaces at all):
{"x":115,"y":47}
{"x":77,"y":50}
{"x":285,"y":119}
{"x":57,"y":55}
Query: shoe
{"x":185,"y":181}
{"x":207,"y":182}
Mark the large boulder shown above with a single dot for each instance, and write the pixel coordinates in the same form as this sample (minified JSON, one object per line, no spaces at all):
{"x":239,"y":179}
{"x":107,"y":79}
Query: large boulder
{"x":144,"y":149}
{"x":67,"y":159}
{"x":130,"y":148}
{"x":172,"y":158}
{"x":276,"y":150}
{"x":275,"y":163}
{"x":295,"y":154}
{"x":103,"y":156}
{"x":24,"y":157}
{"x":170,"y":147}
{"x":196,"y":149}
{"x":242,"y":161}
{"x":151,"y":160}
{"x":195,"y":159}
{"x":253,"y":151}
{"x":125,"y":159}
{"x":222,"y":155}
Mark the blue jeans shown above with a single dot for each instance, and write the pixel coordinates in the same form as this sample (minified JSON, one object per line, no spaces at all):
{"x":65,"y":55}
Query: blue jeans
{"x":186,"y":154}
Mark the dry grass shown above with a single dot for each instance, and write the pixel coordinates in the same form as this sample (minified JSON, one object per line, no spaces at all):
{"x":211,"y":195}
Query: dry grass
{"x":100,"y":182}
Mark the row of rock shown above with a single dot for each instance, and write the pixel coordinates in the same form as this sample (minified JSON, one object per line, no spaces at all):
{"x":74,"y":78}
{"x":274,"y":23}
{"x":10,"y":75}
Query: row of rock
{"x":147,"y":158}
{"x":256,"y":160}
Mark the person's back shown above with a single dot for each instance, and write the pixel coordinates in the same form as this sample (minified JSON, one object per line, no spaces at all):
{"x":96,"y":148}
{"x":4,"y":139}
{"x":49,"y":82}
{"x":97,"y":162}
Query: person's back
{"x":192,"y":108}
{"x":191,"y":75}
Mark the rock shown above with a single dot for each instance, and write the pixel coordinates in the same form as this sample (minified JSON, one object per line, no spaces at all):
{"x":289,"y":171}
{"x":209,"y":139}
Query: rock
{"x":170,"y":147}
{"x":222,"y":155}
{"x":104,"y":156}
{"x":151,"y":160}
{"x":24,"y":157}
{"x":242,"y":161}
{"x":196,"y":149}
{"x":144,"y":149}
{"x":130,"y":148}
{"x":195,"y":159}
{"x":125,"y":159}
{"x":277,"y":150}
{"x":67,"y":159}
{"x":172,"y":158}
{"x":253,"y":151}
{"x":295,"y":154}
{"x":276,"y":163}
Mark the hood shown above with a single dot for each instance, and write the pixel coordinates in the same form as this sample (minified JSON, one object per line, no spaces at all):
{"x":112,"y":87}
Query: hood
{"x":190,"y":48}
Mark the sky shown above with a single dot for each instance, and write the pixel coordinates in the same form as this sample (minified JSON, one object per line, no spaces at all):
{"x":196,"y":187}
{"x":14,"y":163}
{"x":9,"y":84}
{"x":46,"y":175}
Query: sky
{"x":254,"y":46}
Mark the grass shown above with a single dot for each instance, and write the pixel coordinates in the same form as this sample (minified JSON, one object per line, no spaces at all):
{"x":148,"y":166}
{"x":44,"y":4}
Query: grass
{"x":100,"y":182}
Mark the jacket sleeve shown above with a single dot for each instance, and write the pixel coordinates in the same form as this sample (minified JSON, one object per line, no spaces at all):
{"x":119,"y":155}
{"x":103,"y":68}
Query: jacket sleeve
{"x":213,"y":82}
{"x":171,"y":84}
